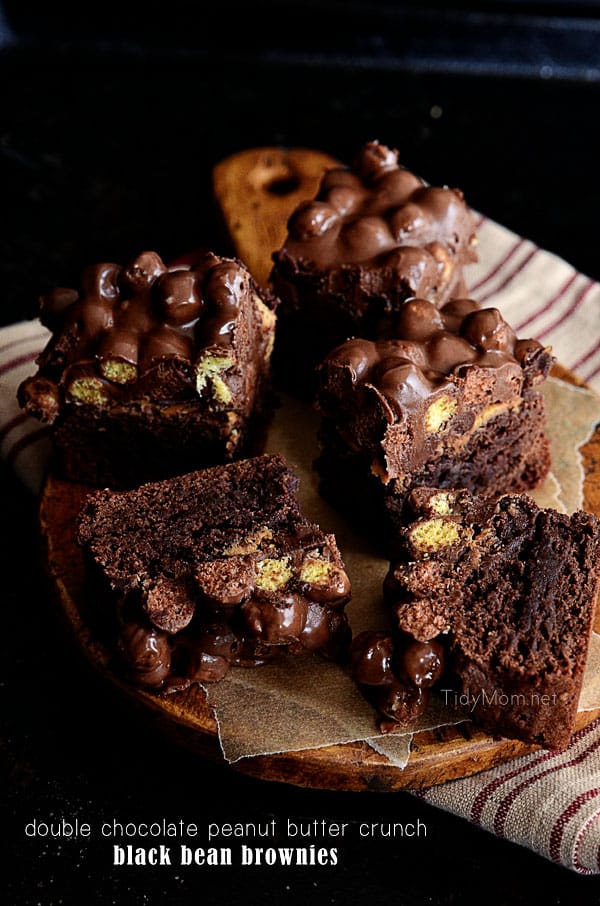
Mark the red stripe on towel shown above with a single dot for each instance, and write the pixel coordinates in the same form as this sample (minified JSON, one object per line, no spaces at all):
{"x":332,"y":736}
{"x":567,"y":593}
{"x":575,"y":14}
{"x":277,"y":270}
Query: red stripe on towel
{"x":498,"y":267}
{"x":547,"y":305}
{"x":517,"y":270}
{"x":558,"y":831}
{"x":484,"y":794}
{"x":20,"y":360}
{"x":567,"y":314}
{"x":502,"y":813}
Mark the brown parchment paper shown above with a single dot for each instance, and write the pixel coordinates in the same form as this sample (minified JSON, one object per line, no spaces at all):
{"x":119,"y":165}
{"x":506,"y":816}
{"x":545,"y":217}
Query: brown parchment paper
{"x":308,"y":702}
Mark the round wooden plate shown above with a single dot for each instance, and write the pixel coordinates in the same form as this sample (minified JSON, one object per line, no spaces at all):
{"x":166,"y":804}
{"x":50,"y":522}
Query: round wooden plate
{"x":436,"y":755}
{"x":256,"y":191}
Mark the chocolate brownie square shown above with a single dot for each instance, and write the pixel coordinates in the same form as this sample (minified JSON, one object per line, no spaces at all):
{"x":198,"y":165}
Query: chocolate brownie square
{"x":375,"y":236}
{"x":454,"y":403}
{"x":152,"y":370}
{"x":502,"y":591}
{"x":213,"y":568}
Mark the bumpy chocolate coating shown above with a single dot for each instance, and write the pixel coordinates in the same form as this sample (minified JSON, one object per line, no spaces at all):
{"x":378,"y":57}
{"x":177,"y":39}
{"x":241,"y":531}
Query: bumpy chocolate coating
{"x":203,"y":667}
{"x":362,"y":216}
{"x":399,"y":702}
{"x":180,"y":300}
{"x":418,"y":320}
{"x":433,"y":343}
{"x":326,"y":630}
{"x":276,"y":622}
{"x":205,"y":655}
{"x":419,"y":663}
{"x":371,"y":659}
{"x":373,"y":238}
{"x":141,"y":273}
{"x":395,"y":672}
{"x":154,"y":371}
{"x":487,"y":329}
{"x":146,"y":653}
{"x":452,"y":370}
{"x":162,"y":309}
{"x":296,"y":605}
{"x":123,"y":324}
{"x":380,"y":659}
{"x":206,"y":652}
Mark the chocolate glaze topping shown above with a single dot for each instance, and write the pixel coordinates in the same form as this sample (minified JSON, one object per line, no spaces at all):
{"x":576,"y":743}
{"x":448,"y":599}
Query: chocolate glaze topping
{"x":453,"y":369}
{"x":433,"y":343}
{"x":374,"y":237}
{"x":419,"y":663}
{"x":146,"y":652}
{"x":140,"y":328}
{"x":145,"y":310}
{"x":395,"y":673}
{"x":373,"y":214}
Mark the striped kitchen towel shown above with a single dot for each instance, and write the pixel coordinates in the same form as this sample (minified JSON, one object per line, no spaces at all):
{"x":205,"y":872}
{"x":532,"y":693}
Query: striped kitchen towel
{"x":541,"y":296}
{"x":547,"y":802}
{"x":24,"y":442}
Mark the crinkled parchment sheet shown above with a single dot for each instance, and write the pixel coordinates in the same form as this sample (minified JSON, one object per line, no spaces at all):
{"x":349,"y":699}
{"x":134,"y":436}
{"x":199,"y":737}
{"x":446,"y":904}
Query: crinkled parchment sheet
{"x":309,"y":702}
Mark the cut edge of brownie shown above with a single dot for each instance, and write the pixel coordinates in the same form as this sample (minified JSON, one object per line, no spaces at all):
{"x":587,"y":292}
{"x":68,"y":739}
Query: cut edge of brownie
{"x":213,"y":569}
{"x":510,"y":454}
{"x":510,"y":591}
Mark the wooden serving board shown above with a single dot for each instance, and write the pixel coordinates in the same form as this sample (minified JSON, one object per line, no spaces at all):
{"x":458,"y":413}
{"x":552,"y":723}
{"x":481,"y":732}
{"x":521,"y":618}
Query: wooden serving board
{"x":256,"y":191}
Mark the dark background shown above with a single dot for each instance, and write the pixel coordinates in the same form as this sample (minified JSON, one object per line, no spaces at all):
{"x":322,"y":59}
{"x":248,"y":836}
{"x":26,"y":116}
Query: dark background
{"x":110,"y":121}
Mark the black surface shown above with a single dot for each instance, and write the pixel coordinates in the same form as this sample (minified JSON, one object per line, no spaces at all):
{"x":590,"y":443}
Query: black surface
{"x":105,"y":153}
{"x":547,"y":38}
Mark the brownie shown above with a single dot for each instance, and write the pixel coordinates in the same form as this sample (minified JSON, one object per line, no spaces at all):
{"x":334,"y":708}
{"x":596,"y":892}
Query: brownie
{"x":507,"y":591}
{"x":375,"y":236}
{"x":455,"y":403}
{"x":153,"y":371}
{"x":210,"y":569}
